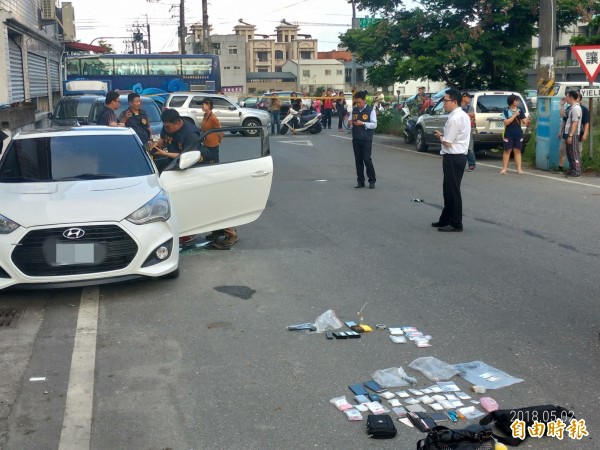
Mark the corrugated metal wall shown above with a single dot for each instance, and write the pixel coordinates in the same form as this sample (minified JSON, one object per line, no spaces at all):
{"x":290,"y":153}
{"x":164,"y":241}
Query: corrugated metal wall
{"x":16,"y":86}
{"x":38,"y":77}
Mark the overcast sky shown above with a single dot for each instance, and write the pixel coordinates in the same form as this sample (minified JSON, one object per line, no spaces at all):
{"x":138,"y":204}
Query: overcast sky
{"x":323,"y":19}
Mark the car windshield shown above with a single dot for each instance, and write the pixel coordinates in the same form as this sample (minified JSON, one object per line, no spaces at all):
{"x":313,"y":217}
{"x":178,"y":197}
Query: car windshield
{"x":491,"y":103}
{"x":74,"y":108}
{"x":63,"y":158}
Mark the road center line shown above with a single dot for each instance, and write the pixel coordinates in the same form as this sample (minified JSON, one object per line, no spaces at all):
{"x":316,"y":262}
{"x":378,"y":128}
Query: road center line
{"x":547,"y":177}
{"x":77,"y":422}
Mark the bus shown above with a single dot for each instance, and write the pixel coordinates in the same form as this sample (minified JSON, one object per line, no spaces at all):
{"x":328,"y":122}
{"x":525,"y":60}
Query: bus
{"x":156,"y":75}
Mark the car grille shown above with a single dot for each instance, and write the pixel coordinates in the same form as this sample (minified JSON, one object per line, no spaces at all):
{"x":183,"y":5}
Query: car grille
{"x":114,"y":248}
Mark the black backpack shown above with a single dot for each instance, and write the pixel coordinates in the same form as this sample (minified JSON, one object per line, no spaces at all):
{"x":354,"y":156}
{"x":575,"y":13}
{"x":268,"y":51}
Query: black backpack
{"x":473,"y":437}
{"x":503,"y":419}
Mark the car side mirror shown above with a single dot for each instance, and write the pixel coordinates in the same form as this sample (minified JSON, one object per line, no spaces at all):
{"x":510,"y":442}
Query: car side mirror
{"x":188,"y":159}
{"x":50,"y":115}
{"x":232,"y":108}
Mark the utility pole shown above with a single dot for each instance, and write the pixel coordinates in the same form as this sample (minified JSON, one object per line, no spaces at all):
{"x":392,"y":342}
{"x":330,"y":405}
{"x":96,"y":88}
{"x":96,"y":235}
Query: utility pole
{"x":353,"y":73}
{"x":182,"y":32}
{"x":148,"y":33}
{"x":205,"y":35}
{"x":546,"y":47}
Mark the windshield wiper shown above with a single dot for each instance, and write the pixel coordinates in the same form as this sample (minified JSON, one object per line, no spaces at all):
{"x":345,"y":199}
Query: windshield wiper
{"x":90,"y":176}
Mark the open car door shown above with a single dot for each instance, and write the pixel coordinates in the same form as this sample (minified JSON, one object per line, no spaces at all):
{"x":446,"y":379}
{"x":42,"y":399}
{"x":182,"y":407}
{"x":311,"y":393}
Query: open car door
{"x":208,"y":197}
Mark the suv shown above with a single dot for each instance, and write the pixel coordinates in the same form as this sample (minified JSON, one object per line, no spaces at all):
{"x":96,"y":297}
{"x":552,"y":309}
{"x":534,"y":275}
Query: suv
{"x":487,"y":127}
{"x":189,"y":106}
{"x":86,"y":110}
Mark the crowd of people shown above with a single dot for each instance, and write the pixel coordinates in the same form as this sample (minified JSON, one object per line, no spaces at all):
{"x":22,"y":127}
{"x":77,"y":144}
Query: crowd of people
{"x":178,"y":136}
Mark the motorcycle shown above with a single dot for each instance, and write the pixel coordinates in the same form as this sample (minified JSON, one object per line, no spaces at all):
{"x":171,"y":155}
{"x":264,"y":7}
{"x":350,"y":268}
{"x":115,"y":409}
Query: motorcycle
{"x":409,"y":125}
{"x":296,"y":123}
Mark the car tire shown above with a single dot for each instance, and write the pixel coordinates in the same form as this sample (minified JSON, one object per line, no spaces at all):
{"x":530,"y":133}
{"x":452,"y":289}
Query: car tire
{"x":284,"y":129}
{"x":251,"y":123}
{"x":171,"y":276}
{"x":420,"y":141}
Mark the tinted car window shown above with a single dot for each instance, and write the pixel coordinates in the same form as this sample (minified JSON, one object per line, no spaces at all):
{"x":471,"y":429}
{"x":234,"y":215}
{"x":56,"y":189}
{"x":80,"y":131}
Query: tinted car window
{"x":61,"y":158}
{"x":73,"y":108}
{"x":177,"y":101}
{"x":491,"y":103}
{"x":221,"y":103}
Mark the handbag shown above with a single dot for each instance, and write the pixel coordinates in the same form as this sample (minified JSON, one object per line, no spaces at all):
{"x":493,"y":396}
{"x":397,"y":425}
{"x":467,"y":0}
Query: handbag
{"x":473,"y":437}
{"x":380,"y":426}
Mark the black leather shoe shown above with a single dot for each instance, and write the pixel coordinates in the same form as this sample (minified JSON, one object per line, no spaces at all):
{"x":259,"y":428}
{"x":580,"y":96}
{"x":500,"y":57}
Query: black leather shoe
{"x":450,"y":228}
{"x":371,"y":185}
{"x":437,"y":224}
{"x":358,"y":186}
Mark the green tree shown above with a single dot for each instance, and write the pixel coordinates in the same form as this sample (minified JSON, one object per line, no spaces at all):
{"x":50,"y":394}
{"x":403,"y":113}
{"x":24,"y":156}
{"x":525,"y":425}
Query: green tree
{"x":467,"y":44}
{"x":105,"y":45}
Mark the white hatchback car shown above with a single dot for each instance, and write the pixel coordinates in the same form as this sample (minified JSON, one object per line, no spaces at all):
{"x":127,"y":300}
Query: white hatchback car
{"x":86,"y":205}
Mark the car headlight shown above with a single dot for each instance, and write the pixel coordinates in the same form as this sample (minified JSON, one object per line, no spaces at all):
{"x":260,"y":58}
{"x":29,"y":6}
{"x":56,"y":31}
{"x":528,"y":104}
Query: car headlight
{"x":156,"y":210}
{"x":7,"y":226}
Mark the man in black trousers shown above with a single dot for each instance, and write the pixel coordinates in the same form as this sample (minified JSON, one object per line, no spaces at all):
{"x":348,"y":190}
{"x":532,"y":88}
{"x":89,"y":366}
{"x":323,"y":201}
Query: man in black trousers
{"x":455,"y":145}
{"x":364,"y":121}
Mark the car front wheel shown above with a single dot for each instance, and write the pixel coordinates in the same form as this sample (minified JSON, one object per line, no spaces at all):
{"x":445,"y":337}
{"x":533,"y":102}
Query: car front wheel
{"x":420,"y":141}
{"x":251,"y":123}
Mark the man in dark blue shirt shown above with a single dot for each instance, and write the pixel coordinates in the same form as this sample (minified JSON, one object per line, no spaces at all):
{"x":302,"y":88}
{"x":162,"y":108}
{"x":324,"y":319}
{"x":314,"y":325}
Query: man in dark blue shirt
{"x":364,"y":121}
{"x":177,"y":135}
{"x":136,"y":118}
{"x":111,"y":104}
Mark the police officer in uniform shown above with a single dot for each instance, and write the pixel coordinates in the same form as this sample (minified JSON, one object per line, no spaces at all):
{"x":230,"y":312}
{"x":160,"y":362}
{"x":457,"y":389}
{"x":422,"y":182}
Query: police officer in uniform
{"x":136,"y":118}
{"x":364,"y":121}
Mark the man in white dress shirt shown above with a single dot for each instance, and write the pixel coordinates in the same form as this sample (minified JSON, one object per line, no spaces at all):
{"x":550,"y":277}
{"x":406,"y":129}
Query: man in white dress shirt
{"x":455,"y":145}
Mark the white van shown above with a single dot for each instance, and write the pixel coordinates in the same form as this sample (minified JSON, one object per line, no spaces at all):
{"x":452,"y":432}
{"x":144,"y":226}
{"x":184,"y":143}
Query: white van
{"x":562,"y":87}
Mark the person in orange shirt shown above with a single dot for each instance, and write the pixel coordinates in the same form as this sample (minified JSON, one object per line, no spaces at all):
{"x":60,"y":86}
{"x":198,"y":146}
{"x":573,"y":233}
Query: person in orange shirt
{"x":210,"y":155}
{"x":210,"y":152}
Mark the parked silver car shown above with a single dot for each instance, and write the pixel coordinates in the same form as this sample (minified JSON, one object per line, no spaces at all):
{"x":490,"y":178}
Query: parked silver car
{"x":487,"y":127}
{"x":189,"y":106}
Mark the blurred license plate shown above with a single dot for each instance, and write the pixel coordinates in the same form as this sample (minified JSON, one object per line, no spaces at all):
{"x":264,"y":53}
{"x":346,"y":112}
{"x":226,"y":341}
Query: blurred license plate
{"x":499,"y":124}
{"x":74,"y":253}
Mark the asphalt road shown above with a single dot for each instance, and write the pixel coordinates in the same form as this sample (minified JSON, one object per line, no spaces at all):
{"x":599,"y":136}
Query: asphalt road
{"x":206,"y":361}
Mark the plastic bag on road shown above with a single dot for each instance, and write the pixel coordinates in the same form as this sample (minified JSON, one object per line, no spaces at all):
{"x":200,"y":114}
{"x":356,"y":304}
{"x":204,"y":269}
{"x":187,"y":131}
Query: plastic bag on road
{"x":392,"y":377}
{"x":327,"y":321}
{"x":480,"y":374}
{"x":433,"y":368}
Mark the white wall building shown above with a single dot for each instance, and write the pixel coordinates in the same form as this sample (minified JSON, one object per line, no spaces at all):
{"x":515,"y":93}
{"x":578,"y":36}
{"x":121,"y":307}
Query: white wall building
{"x":314,"y":73}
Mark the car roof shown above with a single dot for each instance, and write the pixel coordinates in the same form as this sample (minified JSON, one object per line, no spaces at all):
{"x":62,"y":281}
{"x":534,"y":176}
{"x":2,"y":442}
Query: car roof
{"x":74,"y":131}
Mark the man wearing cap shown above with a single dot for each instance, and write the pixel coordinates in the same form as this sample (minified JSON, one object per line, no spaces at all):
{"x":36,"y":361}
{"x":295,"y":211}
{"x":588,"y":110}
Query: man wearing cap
{"x":364,"y":121}
{"x":466,"y":106}
{"x":455,"y":144}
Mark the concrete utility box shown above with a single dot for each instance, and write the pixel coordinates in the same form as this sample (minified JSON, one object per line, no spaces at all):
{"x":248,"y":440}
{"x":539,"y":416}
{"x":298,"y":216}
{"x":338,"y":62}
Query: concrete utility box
{"x":547,"y":144}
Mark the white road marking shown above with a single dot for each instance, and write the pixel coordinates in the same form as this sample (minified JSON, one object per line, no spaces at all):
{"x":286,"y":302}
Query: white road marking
{"x":307,"y":143}
{"x":548,"y":177}
{"x":77,"y":423}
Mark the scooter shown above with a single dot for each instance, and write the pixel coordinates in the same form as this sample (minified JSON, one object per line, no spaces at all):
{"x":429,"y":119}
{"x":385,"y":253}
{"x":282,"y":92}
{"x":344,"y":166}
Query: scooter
{"x":409,"y":126}
{"x":296,"y":123}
